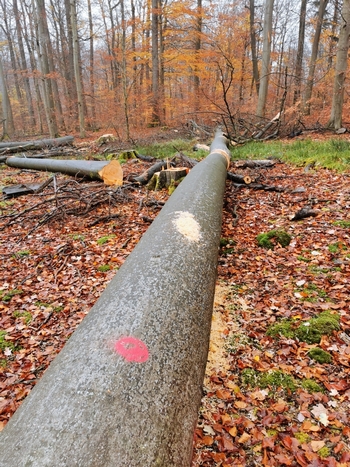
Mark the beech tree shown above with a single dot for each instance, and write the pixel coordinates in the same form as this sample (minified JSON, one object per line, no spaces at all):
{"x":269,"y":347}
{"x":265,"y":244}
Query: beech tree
{"x":314,"y":53}
{"x":265,"y":60}
{"x":340,"y":68}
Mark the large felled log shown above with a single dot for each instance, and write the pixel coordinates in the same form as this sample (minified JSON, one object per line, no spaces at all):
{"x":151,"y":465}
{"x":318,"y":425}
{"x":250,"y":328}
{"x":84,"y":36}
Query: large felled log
{"x":100,"y":170}
{"x":126,"y":388}
{"x":6,"y":148}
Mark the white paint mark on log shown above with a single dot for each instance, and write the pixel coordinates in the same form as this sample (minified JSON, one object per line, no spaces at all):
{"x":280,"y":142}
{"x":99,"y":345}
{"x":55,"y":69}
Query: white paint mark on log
{"x":187,"y":225}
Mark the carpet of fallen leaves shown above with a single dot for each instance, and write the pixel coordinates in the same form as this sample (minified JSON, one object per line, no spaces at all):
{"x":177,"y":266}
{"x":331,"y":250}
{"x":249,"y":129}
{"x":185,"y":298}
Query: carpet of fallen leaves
{"x":56,"y":261}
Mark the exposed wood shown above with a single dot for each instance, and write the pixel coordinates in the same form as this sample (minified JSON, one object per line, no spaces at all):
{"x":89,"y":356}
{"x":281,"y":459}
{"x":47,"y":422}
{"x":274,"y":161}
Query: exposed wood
{"x":242,"y":179}
{"x":6,"y":148}
{"x":167,"y":178}
{"x":146,"y":176}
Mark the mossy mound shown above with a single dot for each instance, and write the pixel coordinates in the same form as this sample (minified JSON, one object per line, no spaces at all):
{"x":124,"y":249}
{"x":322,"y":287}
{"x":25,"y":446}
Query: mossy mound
{"x":312,"y":331}
{"x":307,"y":331}
{"x":269,"y":240}
{"x":320,"y":356}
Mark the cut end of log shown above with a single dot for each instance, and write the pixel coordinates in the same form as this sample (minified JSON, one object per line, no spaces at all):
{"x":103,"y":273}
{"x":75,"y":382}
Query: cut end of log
{"x":247,"y":180}
{"x":112,"y":174}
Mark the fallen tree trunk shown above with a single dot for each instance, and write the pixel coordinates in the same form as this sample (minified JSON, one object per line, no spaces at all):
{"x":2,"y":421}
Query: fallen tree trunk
{"x":242,"y":179}
{"x":89,"y":169}
{"x":93,"y":170}
{"x":52,"y":153}
{"x":16,"y":146}
{"x":126,"y":388}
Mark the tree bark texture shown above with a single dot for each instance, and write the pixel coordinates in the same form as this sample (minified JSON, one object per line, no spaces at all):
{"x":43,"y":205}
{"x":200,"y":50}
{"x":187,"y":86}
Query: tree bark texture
{"x":313,"y":58}
{"x":340,"y":68}
{"x":265,"y":60}
{"x":126,"y":388}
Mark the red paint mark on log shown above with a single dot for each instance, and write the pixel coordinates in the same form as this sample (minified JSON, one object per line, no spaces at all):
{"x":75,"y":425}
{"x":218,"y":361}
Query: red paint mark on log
{"x":132,"y":349}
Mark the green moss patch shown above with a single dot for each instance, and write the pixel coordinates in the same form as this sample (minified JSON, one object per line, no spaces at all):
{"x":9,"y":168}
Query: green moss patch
{"x":6,"y":295}
{"x":311,"y":386}
{"x":4,"y":344}
{"x":307,"y":331}
{"x":320,"y":356}
{"x":269,"y":240}
{"x":273,"y":379}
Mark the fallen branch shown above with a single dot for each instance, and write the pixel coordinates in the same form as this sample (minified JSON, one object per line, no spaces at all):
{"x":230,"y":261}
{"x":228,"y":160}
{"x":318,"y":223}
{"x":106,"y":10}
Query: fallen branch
{"x":146,"y":176}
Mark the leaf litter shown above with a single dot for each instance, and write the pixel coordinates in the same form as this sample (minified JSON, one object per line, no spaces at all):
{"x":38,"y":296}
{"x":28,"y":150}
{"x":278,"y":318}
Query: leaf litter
{"x":255,"y":410}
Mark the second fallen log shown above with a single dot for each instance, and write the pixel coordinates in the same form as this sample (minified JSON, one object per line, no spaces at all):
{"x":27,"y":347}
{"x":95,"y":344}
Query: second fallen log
{"x":108,"y":171}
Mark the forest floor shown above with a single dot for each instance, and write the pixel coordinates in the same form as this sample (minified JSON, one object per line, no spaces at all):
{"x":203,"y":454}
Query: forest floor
{"x":267,"y":400}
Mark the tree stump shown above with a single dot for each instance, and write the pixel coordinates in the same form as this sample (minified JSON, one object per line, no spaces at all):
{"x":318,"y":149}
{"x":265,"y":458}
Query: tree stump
{"x":167,"y":178}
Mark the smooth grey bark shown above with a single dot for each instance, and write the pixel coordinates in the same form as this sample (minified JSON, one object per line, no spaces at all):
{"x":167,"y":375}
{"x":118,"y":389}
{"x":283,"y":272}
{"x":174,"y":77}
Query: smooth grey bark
{"x":102,"y":404}
{"x":92,"y":65}
{"x":300,"y":52}
{"x":36,"y":144}
{"x":255,"y":77}
{"x":77,"y":75}
{"x":23,"y":64}
{"x":313,"y":58}
{"x":340,"y":68}
{"x":42,"y":48}
{"x":88,"y":169}
{"x":7,"y":117}
{"x":155,"y":64}
{"x":265,"y":60}
{"x":124,"y":70}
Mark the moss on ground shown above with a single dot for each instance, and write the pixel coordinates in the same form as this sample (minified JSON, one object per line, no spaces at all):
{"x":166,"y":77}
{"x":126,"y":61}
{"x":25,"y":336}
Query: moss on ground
{"x":319,"y":355}
{"x":309,"y":331}
{"x":272,"y":379}
{"x":269,"y":240}
{"x":311,"y":386}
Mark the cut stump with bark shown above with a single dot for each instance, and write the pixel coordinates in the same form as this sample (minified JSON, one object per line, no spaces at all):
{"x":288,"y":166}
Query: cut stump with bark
{"x":167,"y":178}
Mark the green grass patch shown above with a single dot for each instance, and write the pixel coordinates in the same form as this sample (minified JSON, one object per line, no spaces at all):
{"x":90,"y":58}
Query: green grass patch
{"x":170,"y":148}
{"x":22,"y":254}
{"x":104,"y":268}
{"x":269,"y":240}
{"x":331,"y":154}
{"x":309,"y":331}
{"x":302,"y":258}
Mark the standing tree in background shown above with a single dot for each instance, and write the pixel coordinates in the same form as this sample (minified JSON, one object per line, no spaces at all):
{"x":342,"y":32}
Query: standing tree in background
{"x":155,"y":63}
{"x":313,"y":58}
{"x":300,"y":53}
{"x":265,"y":60}
{"x":7,"y":117}
{"x":340,"y":68}
{"x":255,"y":77}
{"x":77,"y":74}
{"x":43,"y":52}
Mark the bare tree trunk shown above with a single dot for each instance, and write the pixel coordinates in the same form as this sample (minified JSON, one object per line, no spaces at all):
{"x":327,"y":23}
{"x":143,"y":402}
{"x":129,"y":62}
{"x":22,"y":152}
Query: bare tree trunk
{"x":45,"y":70}
{"x":124,"y":71}
{"x":265,"y":65}
{"x":333,"y":38}
{"x":23,"y":65}
{"x":314,"y":53}
{"x":340,"y":68}
{"x":7,"y":118}
{"x":91,"y":66}
{"x":197,"y":48}
{"x":155,"y":64}
{"x":300,"y":53}
{"x":255,"y":78}
{"x":73,"y":17}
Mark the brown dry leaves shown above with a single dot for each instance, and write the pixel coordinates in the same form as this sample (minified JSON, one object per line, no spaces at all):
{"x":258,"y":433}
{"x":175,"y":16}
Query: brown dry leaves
{"x":272,"y":426}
